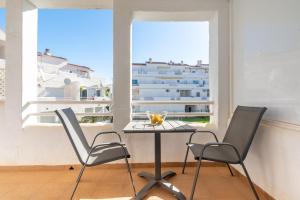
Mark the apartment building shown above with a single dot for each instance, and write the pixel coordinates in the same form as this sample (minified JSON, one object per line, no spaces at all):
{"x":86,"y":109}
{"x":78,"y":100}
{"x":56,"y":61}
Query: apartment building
{"x":170,"y":81}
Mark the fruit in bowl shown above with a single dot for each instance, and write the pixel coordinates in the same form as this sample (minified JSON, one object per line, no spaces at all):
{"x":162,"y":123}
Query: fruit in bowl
{"x":155,"y":118}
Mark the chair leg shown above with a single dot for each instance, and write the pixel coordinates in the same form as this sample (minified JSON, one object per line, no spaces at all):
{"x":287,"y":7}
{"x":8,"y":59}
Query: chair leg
{"x":78,"y":180}
{"x":250,"y":181}
{"x":195,"y":178}
{"x":131,"y":179}
{"x":185,"y":159}
{"x":230,"y":169}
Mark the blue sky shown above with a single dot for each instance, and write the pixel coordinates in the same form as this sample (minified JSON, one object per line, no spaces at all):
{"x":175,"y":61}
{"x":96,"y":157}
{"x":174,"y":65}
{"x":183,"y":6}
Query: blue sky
{"x":85,"y":37}
{"x":2,"y":19}
{"x":165,"y":41}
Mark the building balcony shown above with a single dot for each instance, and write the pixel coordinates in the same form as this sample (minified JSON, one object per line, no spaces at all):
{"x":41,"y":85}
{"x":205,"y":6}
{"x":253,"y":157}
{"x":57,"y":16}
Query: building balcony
{"x":170,"y":86}
{"x":170,"y":75}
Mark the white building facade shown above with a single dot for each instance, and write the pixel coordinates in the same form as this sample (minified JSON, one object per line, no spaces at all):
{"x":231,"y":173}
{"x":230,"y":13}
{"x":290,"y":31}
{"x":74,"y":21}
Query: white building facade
{"x":162,"y":81}
{"x":60,"y":80}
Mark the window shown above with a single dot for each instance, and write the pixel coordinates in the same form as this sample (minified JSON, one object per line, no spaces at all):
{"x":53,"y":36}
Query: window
{"x":75,"y":61}
{"x":207,"y":92}
{"x":170,"y":54}
{"x":134,"y":82}
{"x":98,"y":93}
{"x":83,"y":94}
{"x":185,"y":93}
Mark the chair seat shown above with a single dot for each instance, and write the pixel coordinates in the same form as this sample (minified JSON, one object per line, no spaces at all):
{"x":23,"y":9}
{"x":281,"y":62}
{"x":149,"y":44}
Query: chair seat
{"x":215,"y":153}
{"x":105,"y":155}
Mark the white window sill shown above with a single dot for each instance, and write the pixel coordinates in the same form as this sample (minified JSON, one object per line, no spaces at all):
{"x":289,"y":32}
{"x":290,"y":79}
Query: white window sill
{"x":108,"y":126}
{"x":202,"y":126}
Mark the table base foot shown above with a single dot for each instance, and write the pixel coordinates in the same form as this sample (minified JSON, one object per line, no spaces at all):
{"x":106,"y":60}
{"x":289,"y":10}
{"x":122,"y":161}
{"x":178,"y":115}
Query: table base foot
{"x":143,"y":192}
{"x":168,"y":174}
{"x":146,"y":175}
{"x":149,"y":176}
{"x":171,"y":188}
{"x":162,"y":183}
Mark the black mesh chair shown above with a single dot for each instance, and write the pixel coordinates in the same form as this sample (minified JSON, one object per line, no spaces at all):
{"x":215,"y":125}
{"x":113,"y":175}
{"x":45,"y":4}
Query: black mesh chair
{"x":91,"y":155}
{"x":235,"y":145}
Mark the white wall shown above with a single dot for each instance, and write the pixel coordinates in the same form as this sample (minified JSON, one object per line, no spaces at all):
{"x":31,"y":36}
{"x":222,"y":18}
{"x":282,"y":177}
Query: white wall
{"x":266,"y":60}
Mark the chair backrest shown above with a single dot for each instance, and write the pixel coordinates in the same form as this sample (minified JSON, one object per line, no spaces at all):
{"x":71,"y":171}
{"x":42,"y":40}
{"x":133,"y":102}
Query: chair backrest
{"x":242,"y":128}
{"x":75,"y":134}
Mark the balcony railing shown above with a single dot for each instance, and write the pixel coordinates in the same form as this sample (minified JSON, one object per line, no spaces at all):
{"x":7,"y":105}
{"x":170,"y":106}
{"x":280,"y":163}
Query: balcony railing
{"x":184,"y":74}
{"x":197,"y":113}
{"x":46,"y":108}
{"x":161,"y":85}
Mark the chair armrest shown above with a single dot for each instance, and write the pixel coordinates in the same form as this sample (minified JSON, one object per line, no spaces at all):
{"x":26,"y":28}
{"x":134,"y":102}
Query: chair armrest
{"x":105,"y":145}
{"x":105,"y":133}
{"x":219,"y":144}
{"x":191,"y":136}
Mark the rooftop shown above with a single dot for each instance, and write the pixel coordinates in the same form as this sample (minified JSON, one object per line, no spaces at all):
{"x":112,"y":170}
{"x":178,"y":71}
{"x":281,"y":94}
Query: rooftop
{"x":48,"y":54}
{"x":171,"y":63}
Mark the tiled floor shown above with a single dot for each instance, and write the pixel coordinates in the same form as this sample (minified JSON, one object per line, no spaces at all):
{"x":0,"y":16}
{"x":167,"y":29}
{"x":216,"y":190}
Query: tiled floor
{"x":215,"y":183}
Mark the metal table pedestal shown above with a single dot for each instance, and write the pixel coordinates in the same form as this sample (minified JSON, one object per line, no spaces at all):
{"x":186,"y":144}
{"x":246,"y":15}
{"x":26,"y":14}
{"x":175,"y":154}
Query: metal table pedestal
{"x":159,"y":178}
